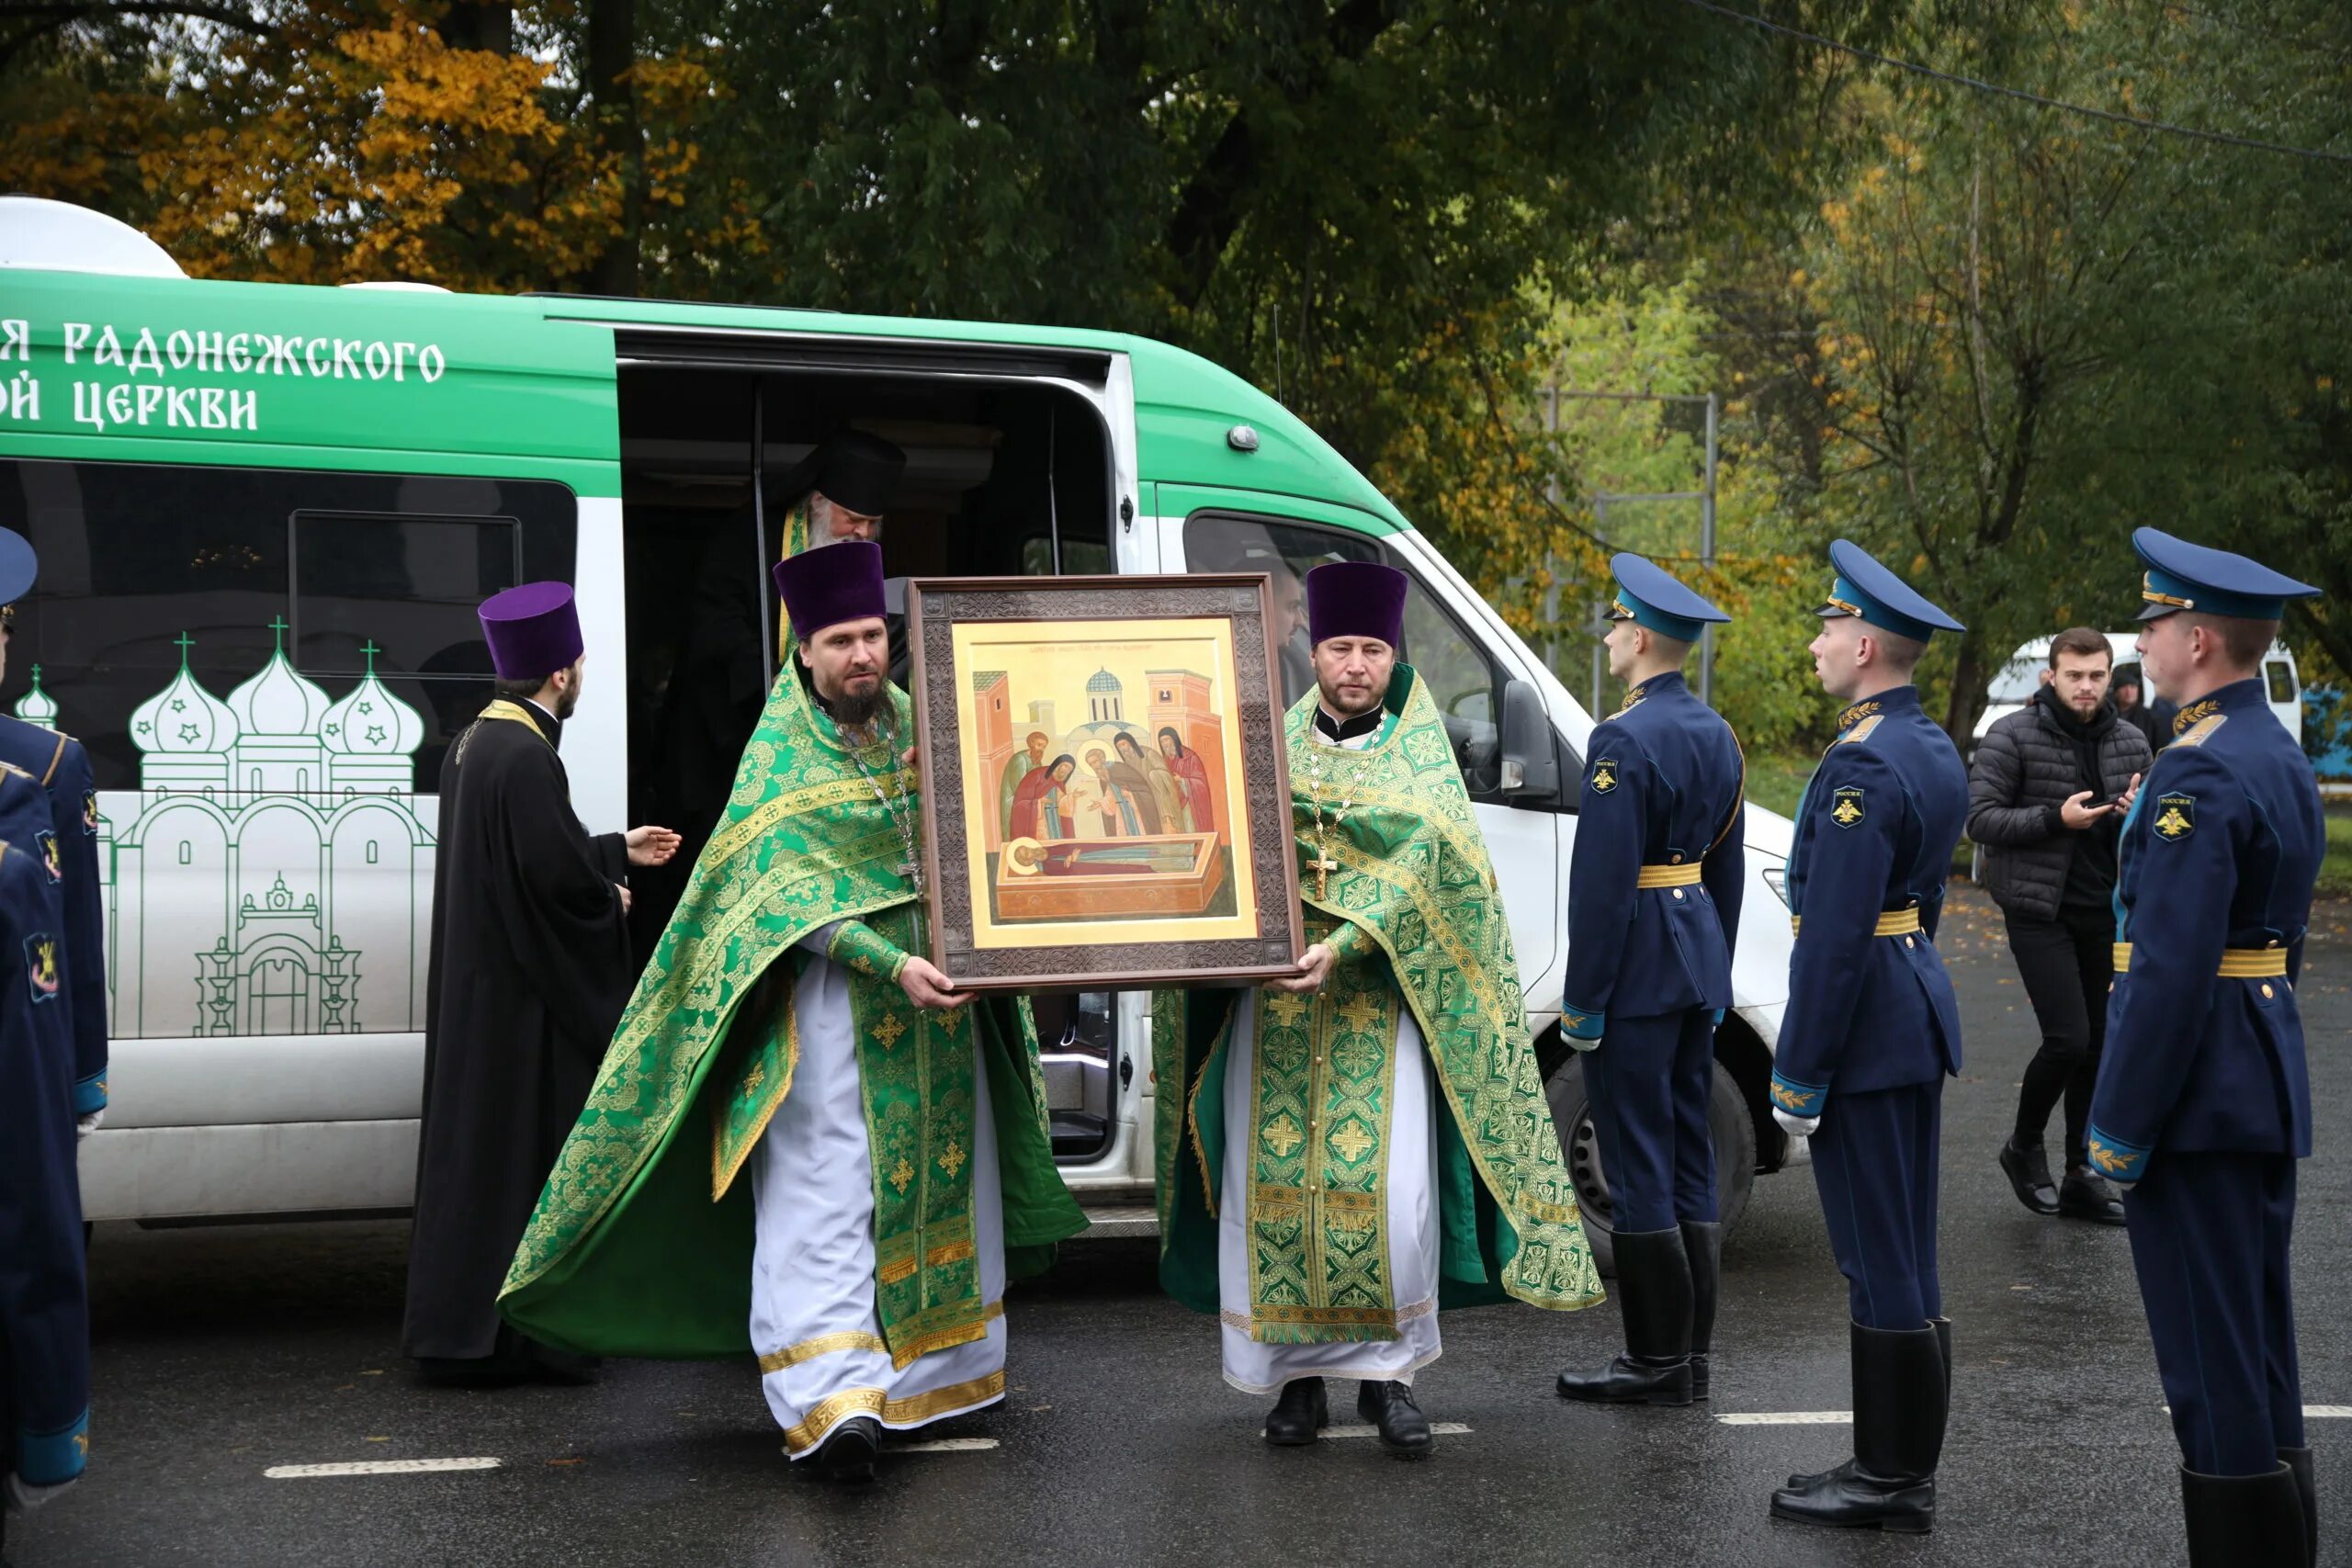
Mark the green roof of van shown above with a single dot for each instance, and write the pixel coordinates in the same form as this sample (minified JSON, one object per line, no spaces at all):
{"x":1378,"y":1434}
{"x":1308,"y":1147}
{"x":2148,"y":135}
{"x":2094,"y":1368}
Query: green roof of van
{"x":430,"y":381}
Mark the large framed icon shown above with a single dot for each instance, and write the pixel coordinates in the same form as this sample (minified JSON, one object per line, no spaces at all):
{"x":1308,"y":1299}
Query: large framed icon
{"x":1106,"y":799}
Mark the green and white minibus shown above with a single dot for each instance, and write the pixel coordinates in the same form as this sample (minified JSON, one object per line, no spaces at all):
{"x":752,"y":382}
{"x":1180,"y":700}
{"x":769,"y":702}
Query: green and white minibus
{"x":265,"y":515}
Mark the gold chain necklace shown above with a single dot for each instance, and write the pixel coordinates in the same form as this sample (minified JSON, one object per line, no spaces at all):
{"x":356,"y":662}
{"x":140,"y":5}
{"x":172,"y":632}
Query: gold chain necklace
{"x":901,"y":810}
{"x":1323,"y":865}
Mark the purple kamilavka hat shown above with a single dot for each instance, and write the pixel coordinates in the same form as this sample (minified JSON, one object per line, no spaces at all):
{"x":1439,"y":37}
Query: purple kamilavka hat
{"x":833,"y":583}
{"x":1355,"y":598}
{"x":533,"y":630}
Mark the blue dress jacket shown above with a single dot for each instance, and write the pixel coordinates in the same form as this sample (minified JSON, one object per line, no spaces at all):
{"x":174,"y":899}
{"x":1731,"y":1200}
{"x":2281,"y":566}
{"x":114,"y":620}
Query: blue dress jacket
{"x":1874,"y":839}
{"x":2204,"y":1042}
{"x":62,"y":768}
{"x":1662,"y":790}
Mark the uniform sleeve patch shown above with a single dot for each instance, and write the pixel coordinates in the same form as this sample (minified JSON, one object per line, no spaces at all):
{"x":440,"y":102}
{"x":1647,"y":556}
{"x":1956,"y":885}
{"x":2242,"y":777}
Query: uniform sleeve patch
{"x":2176,"y":817}
{"x":1846,"y":805}
{"x":40,"y":966}
{"x":48,"y":856}
{"x":1604,"y":775}
{"x":90,"y":812}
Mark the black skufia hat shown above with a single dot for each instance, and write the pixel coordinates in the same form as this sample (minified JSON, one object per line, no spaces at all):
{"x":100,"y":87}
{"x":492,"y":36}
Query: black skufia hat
{"x":859,"y":471}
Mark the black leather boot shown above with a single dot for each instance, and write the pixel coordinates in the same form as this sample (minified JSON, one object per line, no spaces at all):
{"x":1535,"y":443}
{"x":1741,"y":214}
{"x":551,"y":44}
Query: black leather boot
{"x":1301,"y":1412}
{"x":1653,"y":1292}
{"x":1404,"y":1430}
{"x":2084,"y":1195}
{"x":2028,"y":1173}
{"x":1899,"y":1413}
{"x":2299,"y":1464}
{"x":2235,"y":1519}
{"x":1703,"y":1244}
{"x":847,"y":1453}
{"x":1942,"y":1326}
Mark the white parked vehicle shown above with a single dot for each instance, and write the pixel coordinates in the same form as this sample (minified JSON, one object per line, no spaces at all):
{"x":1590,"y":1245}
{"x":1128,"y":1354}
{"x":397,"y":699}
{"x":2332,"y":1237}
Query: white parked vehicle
{"x":2021,"y":676}
{"x":265,"y":515}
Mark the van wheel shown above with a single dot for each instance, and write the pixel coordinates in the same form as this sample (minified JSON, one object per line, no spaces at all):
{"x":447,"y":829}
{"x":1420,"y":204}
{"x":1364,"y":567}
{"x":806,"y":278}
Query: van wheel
{"x":1727,"y":1123}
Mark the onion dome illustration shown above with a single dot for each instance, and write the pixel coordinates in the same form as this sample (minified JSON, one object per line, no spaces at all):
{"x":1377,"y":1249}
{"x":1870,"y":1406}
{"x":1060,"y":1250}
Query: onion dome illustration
{"x":1102,"y":681}
{"x":369,"y":721}
{"x":184,"y":719}
{"x":37,"y":707}
{"x":277,"y":701}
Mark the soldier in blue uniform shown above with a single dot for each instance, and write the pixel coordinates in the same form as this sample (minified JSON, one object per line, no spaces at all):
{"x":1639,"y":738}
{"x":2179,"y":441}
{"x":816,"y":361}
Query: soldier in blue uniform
{"x":44,"y":1320}
{"x":2203,"y":1103}
{"x":1652,"y":913}
{"x":62,"y":768}
{"x":1870,"y":1031}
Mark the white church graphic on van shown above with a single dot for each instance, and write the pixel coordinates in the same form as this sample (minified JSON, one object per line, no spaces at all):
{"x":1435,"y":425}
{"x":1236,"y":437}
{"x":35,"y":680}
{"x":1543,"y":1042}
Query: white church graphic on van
{"x":276,"y":877}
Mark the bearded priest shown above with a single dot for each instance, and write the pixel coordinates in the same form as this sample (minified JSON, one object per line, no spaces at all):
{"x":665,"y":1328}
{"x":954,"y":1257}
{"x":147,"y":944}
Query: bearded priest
{"x":895,"y":1131}
{"x":1347,"y":1150}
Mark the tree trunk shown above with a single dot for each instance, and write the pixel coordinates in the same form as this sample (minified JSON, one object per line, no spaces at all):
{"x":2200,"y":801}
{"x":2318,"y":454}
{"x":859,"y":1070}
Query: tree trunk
{"x":472,"y":24}
{"x":612,"y":51}
{"x":1969,"y":673}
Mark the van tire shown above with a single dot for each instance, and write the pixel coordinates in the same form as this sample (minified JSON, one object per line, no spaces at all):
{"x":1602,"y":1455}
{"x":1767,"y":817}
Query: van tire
{"x":1727,"y":1121}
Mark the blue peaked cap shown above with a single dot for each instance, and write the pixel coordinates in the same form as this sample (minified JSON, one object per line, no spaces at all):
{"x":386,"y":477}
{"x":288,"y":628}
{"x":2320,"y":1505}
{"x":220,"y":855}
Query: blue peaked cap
{"x":18,"y":567}
{"x":1868,"y":591}
{"x":2182,"y":576}
{"x":1649,"y":595}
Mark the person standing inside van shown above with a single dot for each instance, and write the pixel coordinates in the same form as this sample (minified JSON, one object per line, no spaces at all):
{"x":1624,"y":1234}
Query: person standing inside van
{"x":1872,"y":1031}
{"x":529,"y":968}
{"x":1655,"y":912}
{"x":2203,"y":1105}
{"x":1349,"y":1149}
{"x":2046,"y":796}
{"x":62,"y":768}
{"x":891,"y":1131}
{"x":44,"y":1311}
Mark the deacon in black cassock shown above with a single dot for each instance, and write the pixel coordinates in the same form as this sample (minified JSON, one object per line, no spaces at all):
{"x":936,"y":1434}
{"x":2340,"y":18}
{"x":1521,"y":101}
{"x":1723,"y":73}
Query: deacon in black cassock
{"x":530,"y":970}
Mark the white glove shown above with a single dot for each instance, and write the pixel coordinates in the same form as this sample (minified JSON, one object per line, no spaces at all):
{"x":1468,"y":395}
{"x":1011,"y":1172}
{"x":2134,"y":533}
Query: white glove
{"x":23,"y":1496}
{"x":1796,"y":1126}
{"x":88,"y":1125}
{"x":1580,"y":1046}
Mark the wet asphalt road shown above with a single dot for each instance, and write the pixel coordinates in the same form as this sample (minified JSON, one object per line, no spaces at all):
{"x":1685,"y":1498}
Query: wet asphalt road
{"x":222,"y":1352}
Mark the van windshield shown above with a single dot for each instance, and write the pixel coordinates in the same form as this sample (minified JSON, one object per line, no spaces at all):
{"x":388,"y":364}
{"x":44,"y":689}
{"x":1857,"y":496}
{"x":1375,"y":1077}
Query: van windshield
{"x":2017,"y":681}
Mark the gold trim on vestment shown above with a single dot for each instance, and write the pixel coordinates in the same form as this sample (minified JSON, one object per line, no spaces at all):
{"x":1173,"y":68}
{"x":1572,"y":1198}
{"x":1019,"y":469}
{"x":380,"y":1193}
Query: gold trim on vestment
{"x":911,"y":1411}
{"x":722,"y":1176}
{"x":2237,"y":962}
{"x":848,"y":1339}
{"x":1892,"y":922}
{"x":1668,"y":877}
{"x":513,"y":713}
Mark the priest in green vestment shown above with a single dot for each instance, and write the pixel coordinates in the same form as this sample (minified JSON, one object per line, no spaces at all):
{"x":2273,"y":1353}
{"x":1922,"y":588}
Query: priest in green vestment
{"x":1345,"y":1152}
{"x":804,"y":1146}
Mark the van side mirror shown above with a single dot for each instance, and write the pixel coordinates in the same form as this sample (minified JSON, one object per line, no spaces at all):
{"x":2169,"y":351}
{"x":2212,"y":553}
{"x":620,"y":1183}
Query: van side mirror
{"x":1531,"y":762}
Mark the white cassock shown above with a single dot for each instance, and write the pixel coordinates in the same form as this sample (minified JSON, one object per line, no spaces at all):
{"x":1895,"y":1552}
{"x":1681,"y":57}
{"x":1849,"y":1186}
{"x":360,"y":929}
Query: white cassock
{"x":1414,"y":1241}
{"x":813,"y":1323}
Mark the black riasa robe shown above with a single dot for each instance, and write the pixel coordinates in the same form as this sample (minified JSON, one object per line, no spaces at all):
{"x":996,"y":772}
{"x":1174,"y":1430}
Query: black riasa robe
{"x":528,"y":972}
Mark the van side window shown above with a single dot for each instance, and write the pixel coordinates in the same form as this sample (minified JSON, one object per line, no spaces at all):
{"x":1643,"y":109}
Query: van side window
{"x":2282,"y":681}
{"x":198,"y":628}
{"x":1461,"y":679}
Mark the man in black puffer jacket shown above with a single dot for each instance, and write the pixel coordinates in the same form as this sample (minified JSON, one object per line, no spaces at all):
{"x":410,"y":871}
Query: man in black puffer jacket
{"x":2046,"y":796}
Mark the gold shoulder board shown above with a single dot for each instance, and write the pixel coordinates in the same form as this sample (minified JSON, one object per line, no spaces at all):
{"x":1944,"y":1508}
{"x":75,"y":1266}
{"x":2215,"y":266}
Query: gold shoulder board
{"x":2202,"y":730}
{"x":1862,"y":730}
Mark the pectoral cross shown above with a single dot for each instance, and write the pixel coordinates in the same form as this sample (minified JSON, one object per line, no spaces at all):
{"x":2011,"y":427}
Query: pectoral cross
{"x":1323,"y":867}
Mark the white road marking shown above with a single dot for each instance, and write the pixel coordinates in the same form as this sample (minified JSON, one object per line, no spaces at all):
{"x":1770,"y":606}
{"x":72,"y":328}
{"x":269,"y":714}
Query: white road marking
{"x":2328,"y":1412}
{"x":1788,"y":1418}
{"x":378,"y":1467}
{"x":1437,"y":1430}
{"x":942,"y":1446}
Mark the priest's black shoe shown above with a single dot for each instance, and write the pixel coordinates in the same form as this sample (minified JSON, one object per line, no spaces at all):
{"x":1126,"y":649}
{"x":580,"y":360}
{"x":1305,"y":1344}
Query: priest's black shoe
{"x":1900,"y":1403}
{"x":1299,"y":1414}
{"x":2029,"y":1174}
{"x":1653,"y":1292}
{"x":2084,"y":1195}
{"x":1404,"y":1430}
{"x":2244,"y":1519}
{"x":847,"y":1453}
